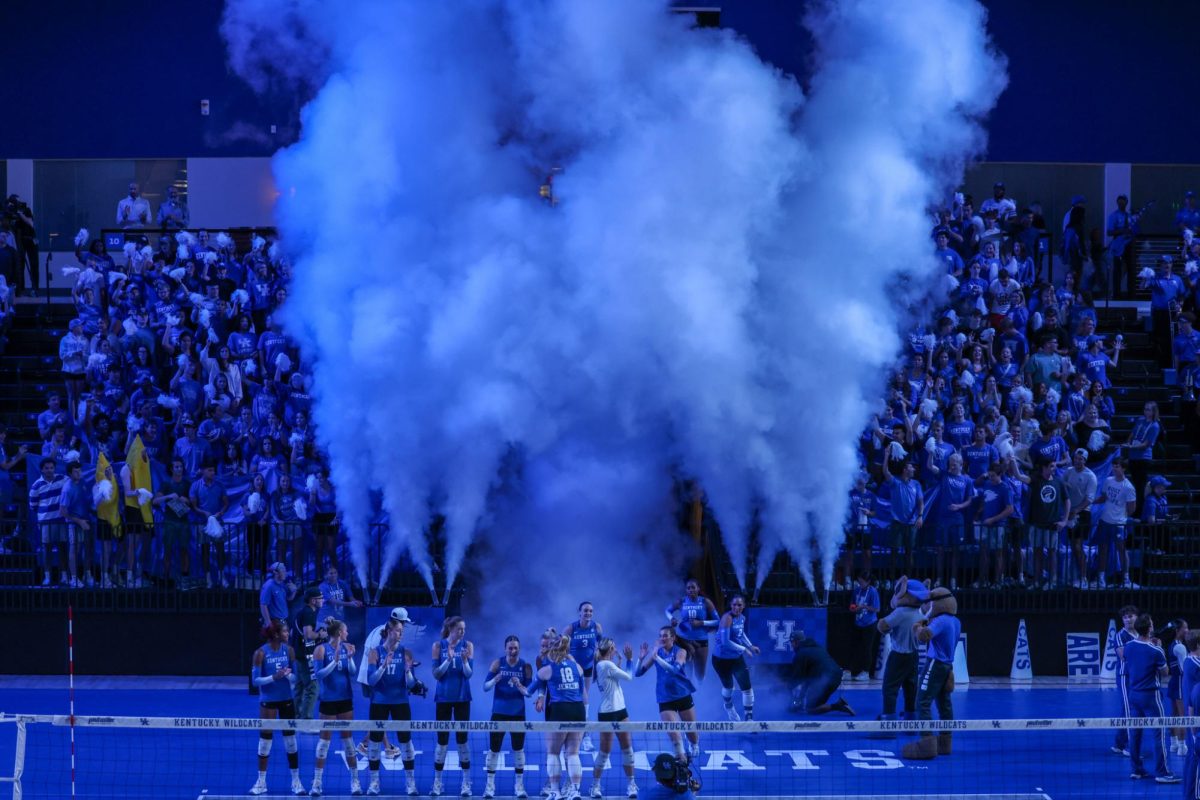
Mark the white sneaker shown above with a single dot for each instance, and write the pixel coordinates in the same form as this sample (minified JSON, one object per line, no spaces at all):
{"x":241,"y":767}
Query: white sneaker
{"x":731,"y":712}
{"x":89,"y":581}
{"x":545,"y":792}
{"x":587,"y":746}
{"x":355,"y":786}
{"x":298,"y":787}
{"x":631,"y":790}
{"x":373,"y":786}
{"x":953,"y":584}
{"x":489,"y":788}
{"x":1174,"y":746}
{"x":846,"y":676}
{"x":1130,"y":584}
{"x":317,"y":788}
{"x":259,"y":787}
{"x":465,"y":791}
{"x":596,"y":791}
{"x":46,"y":580}
{"x":860,"y":677}
{"x":1183,"y":748}
{"x":106,"y":582}
{"x":436,"y":789}
{"x":572,"y":792}
{"x":1101,"y":582}
{"x":410,"y":785}
{"x":519,"y":787}
{"x":75,"y":584}
{"x":694,"y":753}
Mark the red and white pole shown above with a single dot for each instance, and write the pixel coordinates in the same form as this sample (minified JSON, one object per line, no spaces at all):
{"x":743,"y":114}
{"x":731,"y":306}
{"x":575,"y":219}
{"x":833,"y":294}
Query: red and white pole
{"x":71,"y":686}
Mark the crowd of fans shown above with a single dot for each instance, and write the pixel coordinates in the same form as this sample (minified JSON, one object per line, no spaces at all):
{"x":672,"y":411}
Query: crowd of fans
{"x":175,"y":360}
{"x":175,"y":353}
{"x":997,"y":429}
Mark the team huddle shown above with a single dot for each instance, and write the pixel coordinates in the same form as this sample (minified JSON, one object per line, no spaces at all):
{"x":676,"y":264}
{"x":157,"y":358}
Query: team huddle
{"x":571,"y":667}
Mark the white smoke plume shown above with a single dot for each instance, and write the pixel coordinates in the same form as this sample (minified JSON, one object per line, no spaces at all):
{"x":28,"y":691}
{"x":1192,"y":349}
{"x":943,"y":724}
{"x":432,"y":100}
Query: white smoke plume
{"x":716,"y":292}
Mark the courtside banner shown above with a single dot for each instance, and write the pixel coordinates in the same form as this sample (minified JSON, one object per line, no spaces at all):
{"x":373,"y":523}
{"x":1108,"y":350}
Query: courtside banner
{"x":771,"y":627}
{"x":1083,"y":656}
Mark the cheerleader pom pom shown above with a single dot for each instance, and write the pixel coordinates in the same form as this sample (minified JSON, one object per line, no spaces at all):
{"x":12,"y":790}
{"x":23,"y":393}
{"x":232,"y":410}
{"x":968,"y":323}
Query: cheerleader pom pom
{"x":178,"y":274}
{"x":931,"y":446}
{"x":102,"y":492}
{"x":210,"y":258}
{"x":71,"y":456}
{"x":249,"y":367}
{"x":144,"y":497}
{"x":283,"y":362}
{"x":240,"y":297}
{"x":81,"y":238}
{"x":1097,"y":440}
{"x":896,"y":451}
{"x":929,"y":340}
{"x":967,"y":378}
{"x":130,"y":250}
{"x":1004,"y":445}
{"x":1146,"y":274}
{"x":214,"y":529}
{"x":254,"y":502}
{"x":113,"y":277}
{"x":130,"y":326}
{"x":70,"y":272}
{"x":929,"y":407}
{"x":223,"y":240}
{"x":987,"y":334}
{"x":295,"y":439}
{"x":166,"y":401}
{"x":133,"y":424}
{"x":173,"y":320}
{"x":96,"y":360}
{"x":257,"y":243}
{"x":310,"y":483}
{"x":301,"y":508}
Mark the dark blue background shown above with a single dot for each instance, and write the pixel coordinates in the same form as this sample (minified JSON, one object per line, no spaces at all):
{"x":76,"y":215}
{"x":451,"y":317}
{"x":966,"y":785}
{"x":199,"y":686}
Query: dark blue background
{"x":1089,"y":81}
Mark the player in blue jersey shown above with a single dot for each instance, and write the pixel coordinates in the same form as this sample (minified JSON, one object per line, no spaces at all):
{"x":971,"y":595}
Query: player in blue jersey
{"x":563,"y":677}
{"x":612,"y":709}
{"x":508,"y":679}
{"x":273,"y":674}
{"x":1191,"y":690}
{"x":1146,"y":667}
{"x":390,"y":676}
{"x":335,"y":670}
{"x":694,"y":618}
{"x":585,"y":635}
{"x":672,"y":688}
{"x":541,"y":704}
{"x":729,"y":658}
{"x":1172,"y":636}
{"x":1125,"y":635}
{"x":453,"y":664}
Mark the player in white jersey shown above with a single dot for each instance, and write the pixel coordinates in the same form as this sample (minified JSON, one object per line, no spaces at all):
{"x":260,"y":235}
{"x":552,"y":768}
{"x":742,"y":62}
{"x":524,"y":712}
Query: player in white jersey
{"x":612,"y":709}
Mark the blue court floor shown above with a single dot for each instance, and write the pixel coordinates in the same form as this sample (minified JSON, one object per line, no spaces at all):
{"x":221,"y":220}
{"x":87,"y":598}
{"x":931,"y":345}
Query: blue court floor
{"x":221,"y":763}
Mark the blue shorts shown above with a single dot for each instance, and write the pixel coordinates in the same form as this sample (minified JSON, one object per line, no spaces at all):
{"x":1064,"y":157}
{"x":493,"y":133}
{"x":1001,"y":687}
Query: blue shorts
{"x":1107,"y":533}
{"x":948,"y":534}
{"x":992,"y":536}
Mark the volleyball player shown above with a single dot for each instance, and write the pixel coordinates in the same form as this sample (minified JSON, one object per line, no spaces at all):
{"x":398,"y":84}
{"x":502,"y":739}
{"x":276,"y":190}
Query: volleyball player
{"x":612,"y":709}
{"x":508,"y":679}
{"x":541,"y":704}
{"x":694,"y":618}
{"x":563,"y":677}
{"x":335,"y":668}
{"x":273,"y":673}
{"x":1173,"y":645}
{"x":1125,"y":635}
{"x":389,"y":673}
{"x":729,"y":660}
{"x":672,"y":689}
{"x":584,"y":635}
{"x":453,"y":664}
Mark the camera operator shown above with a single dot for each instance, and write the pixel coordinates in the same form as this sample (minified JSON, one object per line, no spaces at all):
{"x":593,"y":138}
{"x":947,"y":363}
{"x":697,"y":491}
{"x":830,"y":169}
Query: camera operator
{"x":674,"y":779}
{"x":19,"y":219}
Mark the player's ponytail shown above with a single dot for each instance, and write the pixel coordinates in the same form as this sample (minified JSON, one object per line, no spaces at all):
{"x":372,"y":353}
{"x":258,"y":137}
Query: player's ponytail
{"x":335,"y":627}
{"x":605,"y":647}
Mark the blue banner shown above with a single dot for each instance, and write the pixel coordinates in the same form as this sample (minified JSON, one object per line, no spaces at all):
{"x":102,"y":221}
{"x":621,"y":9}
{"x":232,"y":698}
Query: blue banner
{"x":771,"y":627}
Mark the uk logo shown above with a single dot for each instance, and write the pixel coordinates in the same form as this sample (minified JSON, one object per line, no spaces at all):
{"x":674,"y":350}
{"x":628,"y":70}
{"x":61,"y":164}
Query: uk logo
{"x":378,"y":725}
{"x":145,"y":721}
{"x":780,"y":631}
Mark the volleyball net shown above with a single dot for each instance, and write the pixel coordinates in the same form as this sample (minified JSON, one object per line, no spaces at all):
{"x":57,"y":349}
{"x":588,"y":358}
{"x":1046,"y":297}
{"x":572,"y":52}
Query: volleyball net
{"x":212,"y":758}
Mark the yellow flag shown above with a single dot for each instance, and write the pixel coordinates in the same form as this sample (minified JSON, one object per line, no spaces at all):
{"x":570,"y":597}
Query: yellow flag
{"x":108,"y":510}
{"x":139,"y":478}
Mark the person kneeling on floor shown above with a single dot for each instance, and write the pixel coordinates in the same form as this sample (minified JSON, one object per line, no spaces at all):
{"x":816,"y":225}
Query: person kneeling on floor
{"x":940,"y":631}
{"x":817,"y":677}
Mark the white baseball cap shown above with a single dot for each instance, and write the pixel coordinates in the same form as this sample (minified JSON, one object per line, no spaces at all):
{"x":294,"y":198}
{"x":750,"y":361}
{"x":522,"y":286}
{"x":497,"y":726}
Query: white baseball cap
{"x":400,"y":614}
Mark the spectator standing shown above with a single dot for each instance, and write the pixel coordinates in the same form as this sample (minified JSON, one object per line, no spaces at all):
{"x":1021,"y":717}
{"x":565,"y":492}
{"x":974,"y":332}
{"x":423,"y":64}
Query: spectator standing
{"x":277,"y":591}
{"x":173,"y":213}
{"x":865,"y":607}
{"x":1049,"y":510}
{"x":1003,"y":206}
{"x":311,"y":629}
{"x":1166,"y":293}
{"x":45,"y":508}
{"x":1142,"y":438}
{"x":1123,"y":228}
{"x":133,"y":211}
{"x":73,"y":351}
{"x":1081,"y":492}
{"x":210,"y":501}
{"x":173,"y":498}
{"x":1186,"y":349}
{"x":337,"y":594}
{"x":75,"y":507}
{"x":20,"y":217}
{"x":1188,"y":216}
{"x":908,"y":513}
{"x":1146,"y":664}
{"x":1119,"y":500}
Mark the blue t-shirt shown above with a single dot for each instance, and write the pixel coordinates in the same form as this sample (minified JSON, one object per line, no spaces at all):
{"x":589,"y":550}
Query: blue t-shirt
{"x":1143,"y":431}
{"x":996,"y":497}
{"x":335,"y":591}
{"x":977,"y":459}
{"x":728,"y":637}
{"x":670,"y":682}
{"x":274,"y":597}
{"x":1143,"y":660}
{"x":1019,"y":492}
{"x":273,"y":661}
{"x":692,"y":615}
{"x":1053,"y":448}
{"x":954,"y":490}
{"x":945,"y":629}
{"x":1191,"y":682}
{"x":906,"y":497}
{"x":506,"y":698}
{"x":865,"y":596}
{"x":960,"y":434}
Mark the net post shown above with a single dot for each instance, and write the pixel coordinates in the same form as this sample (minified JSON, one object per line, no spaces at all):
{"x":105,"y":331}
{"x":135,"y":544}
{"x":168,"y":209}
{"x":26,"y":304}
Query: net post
{"x":71,"y":686}
{"x":19,"y":760}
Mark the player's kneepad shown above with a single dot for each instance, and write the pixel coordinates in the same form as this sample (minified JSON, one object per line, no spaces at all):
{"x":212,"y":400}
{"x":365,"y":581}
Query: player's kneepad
{"x":264,"y":747}
{"x":439,"y":754}
{"x":291,"y":743}
{"x":628,"y":758}
{"x":373,"y":748}
{"x":464,"y":753}
{"x":518,"y":759}
{"x":490,"y":760}
{"x":407,"y":751}
{"x":322,"y":748}
{"x":601,"y":760}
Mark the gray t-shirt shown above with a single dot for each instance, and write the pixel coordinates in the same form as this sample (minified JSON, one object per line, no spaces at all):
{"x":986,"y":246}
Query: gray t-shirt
{"x":900,"y":628}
